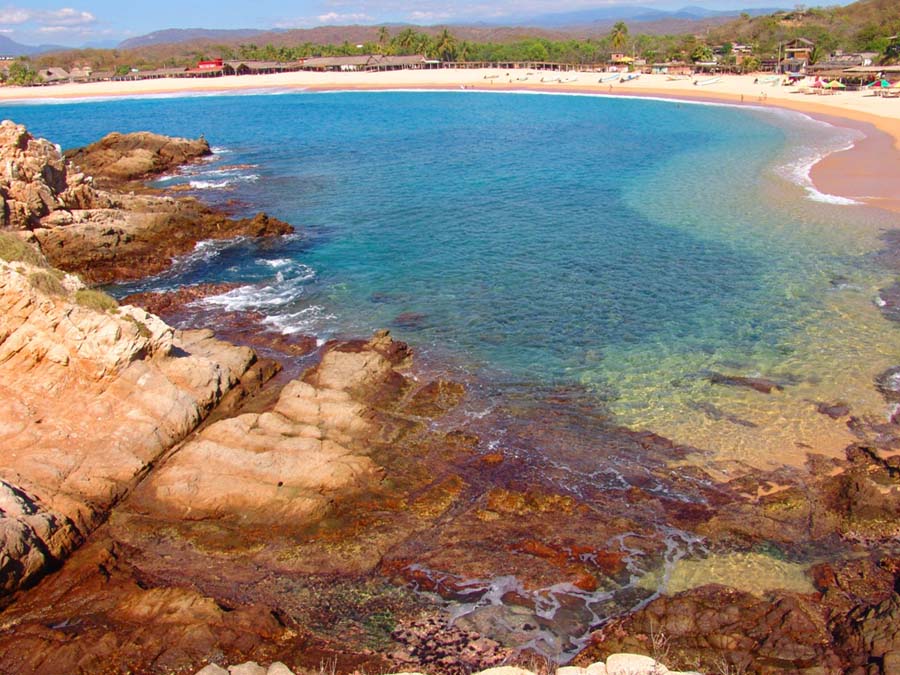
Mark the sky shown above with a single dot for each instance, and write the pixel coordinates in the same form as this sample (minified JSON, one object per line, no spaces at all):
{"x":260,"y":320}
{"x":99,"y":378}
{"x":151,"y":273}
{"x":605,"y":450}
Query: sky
{"x":78,"y":22}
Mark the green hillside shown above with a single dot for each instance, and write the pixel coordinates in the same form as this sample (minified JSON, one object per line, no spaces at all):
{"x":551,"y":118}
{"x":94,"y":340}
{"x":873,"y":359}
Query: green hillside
{"x":865,"y":25}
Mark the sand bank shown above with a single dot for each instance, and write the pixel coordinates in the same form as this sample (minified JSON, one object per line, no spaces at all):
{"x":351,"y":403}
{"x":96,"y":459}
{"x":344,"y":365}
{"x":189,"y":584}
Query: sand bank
{"x":868,"y":172}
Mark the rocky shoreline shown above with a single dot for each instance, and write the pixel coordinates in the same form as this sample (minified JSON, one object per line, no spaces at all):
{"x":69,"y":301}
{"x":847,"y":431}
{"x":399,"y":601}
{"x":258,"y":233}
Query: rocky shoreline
{"x":169,"y":502}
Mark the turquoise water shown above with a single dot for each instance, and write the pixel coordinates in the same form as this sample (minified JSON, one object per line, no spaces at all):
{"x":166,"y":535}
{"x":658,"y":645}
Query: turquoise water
{"x":628,"y":247}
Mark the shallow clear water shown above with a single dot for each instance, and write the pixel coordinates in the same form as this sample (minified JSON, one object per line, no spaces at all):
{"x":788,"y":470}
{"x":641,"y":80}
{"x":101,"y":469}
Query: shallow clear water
{"x":627,"y":247}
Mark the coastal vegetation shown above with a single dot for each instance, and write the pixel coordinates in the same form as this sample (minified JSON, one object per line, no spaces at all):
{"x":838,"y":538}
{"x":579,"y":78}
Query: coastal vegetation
{"x":13,"y":249}
{"x":94,"y":299}
{"x":866,"y":25}
{"x":47,"y":283}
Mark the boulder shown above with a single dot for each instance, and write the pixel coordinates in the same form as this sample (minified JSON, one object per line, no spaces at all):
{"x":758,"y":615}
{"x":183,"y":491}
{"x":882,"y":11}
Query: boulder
{"x":119,"y":158}
{"x":287,"y":464}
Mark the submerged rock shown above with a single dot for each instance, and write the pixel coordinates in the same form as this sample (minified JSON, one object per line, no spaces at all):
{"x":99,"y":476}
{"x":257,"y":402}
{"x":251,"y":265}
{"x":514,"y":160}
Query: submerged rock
{"x":760,"y":384}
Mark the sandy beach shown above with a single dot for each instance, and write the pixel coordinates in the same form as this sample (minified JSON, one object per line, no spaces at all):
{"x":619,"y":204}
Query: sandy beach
{"x":867,"y":172}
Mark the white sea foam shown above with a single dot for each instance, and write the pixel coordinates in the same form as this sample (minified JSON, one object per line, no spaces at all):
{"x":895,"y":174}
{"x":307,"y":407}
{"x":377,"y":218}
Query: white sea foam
{"x":276,"y":262}
{"x":222,"y":184}
{"x":285,"y":288}
{"x":307,"y":320}
{"x":798,"y":170}
{"x":209,"y":184}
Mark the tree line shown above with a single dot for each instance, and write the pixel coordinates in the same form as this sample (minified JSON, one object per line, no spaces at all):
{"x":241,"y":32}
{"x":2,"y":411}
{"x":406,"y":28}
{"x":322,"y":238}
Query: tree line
{"x":763,"y":34}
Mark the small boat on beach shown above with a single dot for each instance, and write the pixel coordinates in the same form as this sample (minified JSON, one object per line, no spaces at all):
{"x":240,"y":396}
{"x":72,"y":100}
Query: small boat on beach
{"x":550,"y":79}
{"x":629,"y":78}
{"x":609,"y":77}
{"x":708,"y":81}
{"x":491,"y":77}
{"x":566,"y":80}
{"x":675,"y":78}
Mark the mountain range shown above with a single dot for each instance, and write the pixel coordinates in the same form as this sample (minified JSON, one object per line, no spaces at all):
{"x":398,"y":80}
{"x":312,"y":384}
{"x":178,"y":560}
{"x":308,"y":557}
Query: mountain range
{"x":581,"y":23}
{"x":9,"y":47}
{"x":613,"y":13}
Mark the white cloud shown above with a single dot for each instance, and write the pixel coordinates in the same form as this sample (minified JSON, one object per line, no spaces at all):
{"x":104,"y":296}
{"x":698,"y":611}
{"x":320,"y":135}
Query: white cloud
{"x":14,"y":15}
{"x":66,"y":17}
{"x":52,"y":19}
{"x":426,"y":17}
{"x":336,"y":18}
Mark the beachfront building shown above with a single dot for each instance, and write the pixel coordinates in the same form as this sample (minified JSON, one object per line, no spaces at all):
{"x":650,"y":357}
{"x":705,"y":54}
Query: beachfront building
{"x":839,"y":62}
{"x":797,"y":55}
{"x":80,"y":74}
{"x":367,"y":62}
{"x":336,"y":64}
{"x":416,"y":62}
{"x":258,"y":67}
{"x":53,"y":75}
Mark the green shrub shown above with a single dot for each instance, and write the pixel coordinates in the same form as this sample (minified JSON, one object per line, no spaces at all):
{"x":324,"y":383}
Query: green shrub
{"x":47,"y":283}
{"x":13,"y":249}
{"x":96,"y":300}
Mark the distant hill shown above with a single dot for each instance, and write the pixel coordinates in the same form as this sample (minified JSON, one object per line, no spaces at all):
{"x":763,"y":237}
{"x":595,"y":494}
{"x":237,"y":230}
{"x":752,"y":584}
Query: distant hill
{"x":633,"y":14}
{"x":10,"y":47}
{"x":179,"y":35}
{"x":581,"y":24}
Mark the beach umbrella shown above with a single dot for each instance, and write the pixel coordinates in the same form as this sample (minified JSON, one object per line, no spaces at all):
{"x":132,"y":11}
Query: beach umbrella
{"x":896,"y":85}
{"x":836,"y":84}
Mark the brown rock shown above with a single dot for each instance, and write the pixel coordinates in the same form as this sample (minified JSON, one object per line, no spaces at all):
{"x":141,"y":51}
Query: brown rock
{"x":120,"y":158}
{"x":759,"y":384}
{"x":141,"y":236}
{"x":168,"y":303}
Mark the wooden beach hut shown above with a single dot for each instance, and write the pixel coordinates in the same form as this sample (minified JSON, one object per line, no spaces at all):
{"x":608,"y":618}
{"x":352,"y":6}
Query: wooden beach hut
{"x":53,"y":75}
{"x":258,"y":67}
{"x":336,"y":63}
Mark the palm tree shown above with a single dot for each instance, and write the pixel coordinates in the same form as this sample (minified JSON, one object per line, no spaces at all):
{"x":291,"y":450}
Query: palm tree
{"x":383,"y":38}
{"x":618,"y":36}
{"x":445,"y":46}
{"x":406,"y":40}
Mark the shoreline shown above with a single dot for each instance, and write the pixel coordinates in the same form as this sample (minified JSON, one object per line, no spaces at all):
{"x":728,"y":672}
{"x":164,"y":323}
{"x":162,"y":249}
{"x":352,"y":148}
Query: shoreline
{"x":867,"y":172}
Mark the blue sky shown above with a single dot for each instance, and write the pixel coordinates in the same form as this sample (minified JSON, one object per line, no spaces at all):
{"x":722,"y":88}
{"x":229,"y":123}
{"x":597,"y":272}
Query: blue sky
{"x":41,"y":22}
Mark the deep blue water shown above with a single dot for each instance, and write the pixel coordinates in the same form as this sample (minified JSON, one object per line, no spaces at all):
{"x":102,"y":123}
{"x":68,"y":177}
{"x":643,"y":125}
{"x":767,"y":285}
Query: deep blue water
{"x":534,"y":238}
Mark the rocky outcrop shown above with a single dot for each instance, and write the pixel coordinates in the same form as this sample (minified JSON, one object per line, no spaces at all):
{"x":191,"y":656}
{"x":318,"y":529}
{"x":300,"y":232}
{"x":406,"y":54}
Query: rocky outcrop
{"x":109,"y":234}
{"x":35,"y":180}
{"x":120,"y":158}
{"x":93,"y":395}
{"x":283,"y":465}
{"x":140,"y":236}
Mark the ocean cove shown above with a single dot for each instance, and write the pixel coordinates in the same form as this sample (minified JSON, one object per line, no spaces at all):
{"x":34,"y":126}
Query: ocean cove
{"x":594,"y":270}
